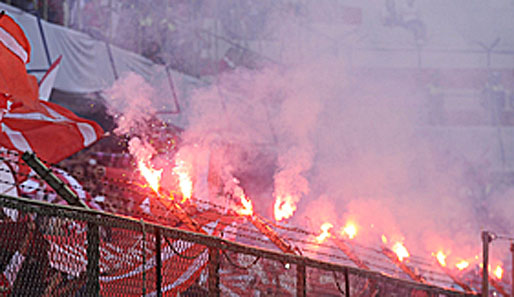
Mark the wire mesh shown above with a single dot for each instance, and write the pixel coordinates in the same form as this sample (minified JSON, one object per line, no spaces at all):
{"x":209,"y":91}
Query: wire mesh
{"x":325,"y":283}
{"x":246,"y":275}
{"x":54,"y":250}
{"x":127,"y":266}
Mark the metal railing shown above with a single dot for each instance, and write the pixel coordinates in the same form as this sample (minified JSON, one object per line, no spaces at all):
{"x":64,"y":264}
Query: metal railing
{"x":70,"y":251}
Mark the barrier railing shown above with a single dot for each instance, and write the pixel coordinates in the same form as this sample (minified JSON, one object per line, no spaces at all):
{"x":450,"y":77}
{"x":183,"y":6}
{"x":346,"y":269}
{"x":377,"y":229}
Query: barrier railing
{"x":53,"y":250}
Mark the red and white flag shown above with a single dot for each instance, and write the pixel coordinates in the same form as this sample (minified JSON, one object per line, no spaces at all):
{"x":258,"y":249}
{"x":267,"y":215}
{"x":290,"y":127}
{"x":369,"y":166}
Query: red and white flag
{"x":47,"y":82}
{"x":27,"y":123}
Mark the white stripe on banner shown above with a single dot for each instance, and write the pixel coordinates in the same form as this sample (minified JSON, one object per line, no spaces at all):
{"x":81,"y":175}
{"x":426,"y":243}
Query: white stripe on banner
{"x":35,"y":116}
{"x":88,"y":133}
{"x":17,"y":139}
{"x":86,"y":130}
{"x":12,"y":44}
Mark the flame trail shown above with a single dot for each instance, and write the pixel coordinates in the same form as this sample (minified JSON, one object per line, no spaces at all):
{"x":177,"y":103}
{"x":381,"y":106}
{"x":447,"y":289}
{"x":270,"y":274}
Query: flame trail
{"x":498,"y":272}
{"x":182,"y":170}
{"x":246,"y":208}
{"x":461,"y":265}
{"x":284,"y":207}
{"x":441,"y":258}
{"x":400,"y":251}
{"x":152,"y":176}
{"x":350,"y":230}
{"x":397,"y":254}
{"x":325,"y":232}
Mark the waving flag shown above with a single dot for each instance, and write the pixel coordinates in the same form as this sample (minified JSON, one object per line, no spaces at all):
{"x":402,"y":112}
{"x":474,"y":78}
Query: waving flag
{"x":15,"y":83}
{"x":27,"y":123}
{"x":47,"y":82}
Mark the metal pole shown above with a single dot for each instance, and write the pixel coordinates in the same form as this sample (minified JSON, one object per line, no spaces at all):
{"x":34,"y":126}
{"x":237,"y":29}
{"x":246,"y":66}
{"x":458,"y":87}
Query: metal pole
{"x":93,"y":257}
{"x":512,"y":269}
{"x":214,"y":276}
{"x":300,"y":281}
{"x":485,"y":264}
{"x":158,"y":262}
{"x":111,"y":60}
{"x":347,"y":282}
{"x":43,"y":38}
{"x":60,"y":187}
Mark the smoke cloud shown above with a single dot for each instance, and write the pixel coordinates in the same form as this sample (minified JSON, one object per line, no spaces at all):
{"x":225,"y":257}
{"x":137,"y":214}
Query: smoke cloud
{"x":336,"y":142}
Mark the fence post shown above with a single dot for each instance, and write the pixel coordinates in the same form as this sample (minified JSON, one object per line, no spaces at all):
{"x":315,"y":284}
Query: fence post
{"x":346,"y":282}
{"x":300,"y":280}
{"x":214,"y":277}
{"x":93,"y":257}
{"x":486,"y":239}
{"x":158,"y":263}
{"x":512,"y":269}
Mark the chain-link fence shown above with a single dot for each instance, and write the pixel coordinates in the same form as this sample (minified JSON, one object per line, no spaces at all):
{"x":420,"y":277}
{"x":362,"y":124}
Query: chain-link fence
{"x":52,"y":250}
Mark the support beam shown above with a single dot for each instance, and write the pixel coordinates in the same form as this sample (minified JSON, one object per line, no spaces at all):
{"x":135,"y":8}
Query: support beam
{"x":400,"y":264}
{"x":300,"y":281}
{"x":456,"y":280}
{"x":272,"y":235}
{"x":158,"y":263}
{"x":486,"y":239}
{"x":214,"y":276}
{"x":349,"y":253}
{"x":93,"y":260}
{"x":347,"y":282}
{"x":512,"y":269}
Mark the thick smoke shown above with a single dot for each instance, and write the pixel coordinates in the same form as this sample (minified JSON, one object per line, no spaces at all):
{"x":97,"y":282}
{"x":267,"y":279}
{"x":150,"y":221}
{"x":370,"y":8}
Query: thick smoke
{"x":341,"y":143}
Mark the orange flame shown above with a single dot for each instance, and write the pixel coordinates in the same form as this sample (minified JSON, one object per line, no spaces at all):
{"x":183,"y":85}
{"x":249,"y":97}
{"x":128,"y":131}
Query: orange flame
{"x":349,"y":230}
{"x":184,"y":179}
{"x":400,"y":250}
{"x":498,"y":272}
{"x":152,"y":176}
{"x":284,"y":207}
{"x":325,"y":232}
{"x":247,"y":207}
{"x":463,"y":264}
{"x":441,"y":258}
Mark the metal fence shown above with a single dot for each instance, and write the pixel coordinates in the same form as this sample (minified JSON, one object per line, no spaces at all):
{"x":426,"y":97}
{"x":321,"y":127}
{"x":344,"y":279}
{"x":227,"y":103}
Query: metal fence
{"x":53,"y":250}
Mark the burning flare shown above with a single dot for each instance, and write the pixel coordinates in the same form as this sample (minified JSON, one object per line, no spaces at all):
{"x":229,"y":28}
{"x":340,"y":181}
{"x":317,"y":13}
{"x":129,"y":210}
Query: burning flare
{"x":349,"y":230}
{"x":284,"y":207}
{"x":498,"y":272}
{"x":325,"y":232}
{"x":463,"y":264}
{"x":400,"y":251}
{"x":152,"y":176}
{"x":185,"y":183}
{"x":441,"y":258}
{"x":247,"y":207}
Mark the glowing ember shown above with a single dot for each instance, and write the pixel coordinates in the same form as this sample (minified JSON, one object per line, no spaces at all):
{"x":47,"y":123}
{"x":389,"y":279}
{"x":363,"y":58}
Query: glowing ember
{"x":498,"y":272}
{"x":384,"y":239}
{"x":325,"y":232}
{"x":462,"y":265}
{"x":349,"y":230}
{"x":152,"y":176}
{"x":284,"y":207}
{"x":441,"y":258}
{"x":247,"y":207}
{"x":184,"y":179}
{"x":400,"y":250}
